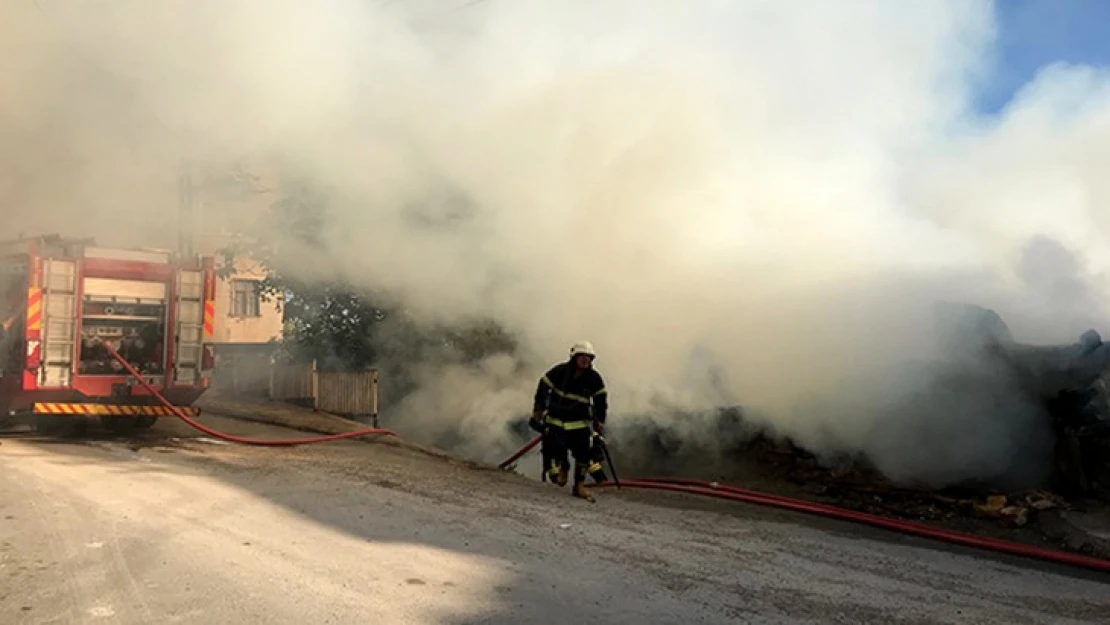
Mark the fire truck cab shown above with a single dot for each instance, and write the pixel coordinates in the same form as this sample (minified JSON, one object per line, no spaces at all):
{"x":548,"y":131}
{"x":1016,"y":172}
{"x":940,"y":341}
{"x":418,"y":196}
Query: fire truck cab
{"x":65,"y":299}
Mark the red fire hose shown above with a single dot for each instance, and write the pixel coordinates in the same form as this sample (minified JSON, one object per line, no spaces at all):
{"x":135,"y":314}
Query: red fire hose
{"x":230,"y":437}
{"x":523,"y":450}
{"x":732,"y":493}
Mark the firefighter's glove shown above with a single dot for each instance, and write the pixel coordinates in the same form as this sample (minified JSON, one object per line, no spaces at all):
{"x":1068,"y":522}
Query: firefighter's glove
{"x":599,"y":428}
{"x":536,"y":423}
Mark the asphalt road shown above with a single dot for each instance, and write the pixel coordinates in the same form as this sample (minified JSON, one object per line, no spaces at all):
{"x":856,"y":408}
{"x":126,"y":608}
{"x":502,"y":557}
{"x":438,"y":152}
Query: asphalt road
{"x":169,"y":530}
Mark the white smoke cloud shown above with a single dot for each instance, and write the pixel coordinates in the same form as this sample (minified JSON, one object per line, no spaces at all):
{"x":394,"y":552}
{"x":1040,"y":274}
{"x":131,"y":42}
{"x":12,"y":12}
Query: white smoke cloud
{"x":780,"y":188}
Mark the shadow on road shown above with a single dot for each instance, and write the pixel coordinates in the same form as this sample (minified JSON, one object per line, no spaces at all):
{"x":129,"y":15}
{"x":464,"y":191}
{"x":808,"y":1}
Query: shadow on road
{"x":535,"y":552}
{"x":562,"y":560}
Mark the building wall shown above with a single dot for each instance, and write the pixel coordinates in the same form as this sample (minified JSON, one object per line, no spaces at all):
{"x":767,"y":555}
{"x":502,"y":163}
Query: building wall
{"x":229,"y":200}
{"x":258,"y":322}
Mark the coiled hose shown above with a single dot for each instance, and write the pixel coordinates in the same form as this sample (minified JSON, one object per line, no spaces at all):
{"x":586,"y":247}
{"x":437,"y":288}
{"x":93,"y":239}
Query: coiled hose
{"x":731,"y":493}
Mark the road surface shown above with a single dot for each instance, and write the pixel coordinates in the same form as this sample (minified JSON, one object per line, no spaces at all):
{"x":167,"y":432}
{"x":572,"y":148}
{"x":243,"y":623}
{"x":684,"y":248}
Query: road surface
{"x":174,"y":530}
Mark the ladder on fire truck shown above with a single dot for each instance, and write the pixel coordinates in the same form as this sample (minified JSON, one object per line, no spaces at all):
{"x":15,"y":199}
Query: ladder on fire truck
{"x":59,"y":322}
{"x":189,"y":333}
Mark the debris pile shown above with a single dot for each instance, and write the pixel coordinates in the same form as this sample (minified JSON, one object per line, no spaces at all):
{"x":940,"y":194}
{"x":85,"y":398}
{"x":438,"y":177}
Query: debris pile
{"x":853,"y":484}
{"x":1067,"y":386}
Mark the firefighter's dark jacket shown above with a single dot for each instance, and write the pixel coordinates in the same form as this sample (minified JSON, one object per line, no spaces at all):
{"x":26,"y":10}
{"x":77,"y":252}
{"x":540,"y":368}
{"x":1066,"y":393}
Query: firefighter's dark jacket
{"x":568,"y":399}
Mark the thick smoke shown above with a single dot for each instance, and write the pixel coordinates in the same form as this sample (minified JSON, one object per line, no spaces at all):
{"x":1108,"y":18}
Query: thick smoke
{"x":753,"y":203}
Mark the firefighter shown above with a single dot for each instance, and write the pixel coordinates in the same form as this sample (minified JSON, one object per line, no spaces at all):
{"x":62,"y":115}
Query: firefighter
{"x":572,"y":395}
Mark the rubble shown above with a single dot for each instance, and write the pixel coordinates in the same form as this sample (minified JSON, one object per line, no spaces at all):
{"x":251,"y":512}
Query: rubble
{"x":780,"y":467}
{"x":1016,"y":515}
{"x":1071,"y":384}
{"x":991,"y":508}
{"x":859,"y":486}
{"x":1041,"y":501}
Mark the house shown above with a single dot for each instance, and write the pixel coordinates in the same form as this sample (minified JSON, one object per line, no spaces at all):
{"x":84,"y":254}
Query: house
{"x":243,"y":316}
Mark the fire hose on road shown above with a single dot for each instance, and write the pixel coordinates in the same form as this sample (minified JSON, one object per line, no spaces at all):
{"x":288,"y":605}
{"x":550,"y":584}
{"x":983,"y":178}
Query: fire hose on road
{"x":732,"y":493}
{"x":694,"y":487}
{"x":519,"y":454}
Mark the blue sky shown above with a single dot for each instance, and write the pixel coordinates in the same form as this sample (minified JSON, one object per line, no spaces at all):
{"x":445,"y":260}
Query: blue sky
{"x":1035,"y":33}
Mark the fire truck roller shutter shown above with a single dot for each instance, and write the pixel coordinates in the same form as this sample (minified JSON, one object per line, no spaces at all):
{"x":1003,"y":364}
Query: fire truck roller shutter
{"x":131,"y":314}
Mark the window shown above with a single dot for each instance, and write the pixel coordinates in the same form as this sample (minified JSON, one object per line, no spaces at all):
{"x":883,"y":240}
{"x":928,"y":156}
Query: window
{"x":246,"y":298}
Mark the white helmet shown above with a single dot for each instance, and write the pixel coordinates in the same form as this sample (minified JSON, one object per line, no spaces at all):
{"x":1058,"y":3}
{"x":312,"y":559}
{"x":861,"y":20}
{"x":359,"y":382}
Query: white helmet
{"x":583,"y":347}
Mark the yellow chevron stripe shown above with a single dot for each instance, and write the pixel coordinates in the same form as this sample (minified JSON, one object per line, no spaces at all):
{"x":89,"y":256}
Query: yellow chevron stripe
{"x":109,"y":409}
{"x":34,"y":309}
{"x":209,"y":318}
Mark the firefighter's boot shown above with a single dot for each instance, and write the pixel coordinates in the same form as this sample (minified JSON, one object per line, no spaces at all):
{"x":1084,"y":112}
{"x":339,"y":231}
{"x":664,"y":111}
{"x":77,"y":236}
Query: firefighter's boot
{"x":553,"y":472}
{"x":558,"y":473}
{"x":564,"y":473}
{"x":580,"y":490}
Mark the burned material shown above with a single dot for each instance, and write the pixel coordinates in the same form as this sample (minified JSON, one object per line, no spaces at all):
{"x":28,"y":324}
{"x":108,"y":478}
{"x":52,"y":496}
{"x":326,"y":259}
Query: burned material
{"x":1068,"y":383}
{"x":1051,"y":402}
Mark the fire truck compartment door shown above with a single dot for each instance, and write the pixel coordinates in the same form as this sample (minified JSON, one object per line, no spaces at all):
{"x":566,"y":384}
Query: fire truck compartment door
{"x":135,"y":291}
{"x":59,"y":328}
{"x":189,"y":333}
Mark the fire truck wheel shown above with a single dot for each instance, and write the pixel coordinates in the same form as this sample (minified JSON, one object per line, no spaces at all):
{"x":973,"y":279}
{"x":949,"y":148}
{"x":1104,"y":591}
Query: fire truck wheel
{"x":118,"y":424}
{"x":145,"y":422}
{"x":53,"y":424}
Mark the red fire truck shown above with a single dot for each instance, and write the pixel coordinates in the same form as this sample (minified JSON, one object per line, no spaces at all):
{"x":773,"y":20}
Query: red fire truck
{"x":64,"y":299}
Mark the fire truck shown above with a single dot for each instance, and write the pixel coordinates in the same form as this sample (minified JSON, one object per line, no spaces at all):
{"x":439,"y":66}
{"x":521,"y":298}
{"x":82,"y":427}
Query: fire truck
{"x":66,"y":298}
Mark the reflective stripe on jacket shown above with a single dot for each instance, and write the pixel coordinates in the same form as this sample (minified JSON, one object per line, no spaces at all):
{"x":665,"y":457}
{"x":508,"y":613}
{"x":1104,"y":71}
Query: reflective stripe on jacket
{"x":571,"y":401}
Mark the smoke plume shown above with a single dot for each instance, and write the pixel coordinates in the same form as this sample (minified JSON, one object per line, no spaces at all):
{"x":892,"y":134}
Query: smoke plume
{"x":753,"y":203}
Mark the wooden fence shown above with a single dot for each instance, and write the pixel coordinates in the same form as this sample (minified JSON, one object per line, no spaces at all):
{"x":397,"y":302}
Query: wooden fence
{"x":350,"y":394}
{"x":295,"y":383}
{"x":243,"y":374}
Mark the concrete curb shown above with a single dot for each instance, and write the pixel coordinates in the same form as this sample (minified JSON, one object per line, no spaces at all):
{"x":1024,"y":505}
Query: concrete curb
{"x":294,"y":417}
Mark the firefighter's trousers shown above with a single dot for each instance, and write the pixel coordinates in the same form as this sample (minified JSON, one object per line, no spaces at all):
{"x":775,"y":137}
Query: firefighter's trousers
{"x":558,"y":442}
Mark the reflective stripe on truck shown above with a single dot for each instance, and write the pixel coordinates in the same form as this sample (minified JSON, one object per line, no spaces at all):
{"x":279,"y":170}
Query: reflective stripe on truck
{"x":34,"y":309}
{"x":110,"y":409}
{"x":209,"y":318}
